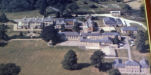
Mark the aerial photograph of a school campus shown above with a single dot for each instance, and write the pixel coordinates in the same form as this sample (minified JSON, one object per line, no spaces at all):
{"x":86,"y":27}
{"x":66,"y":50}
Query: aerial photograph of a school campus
{"x":74,"y":37}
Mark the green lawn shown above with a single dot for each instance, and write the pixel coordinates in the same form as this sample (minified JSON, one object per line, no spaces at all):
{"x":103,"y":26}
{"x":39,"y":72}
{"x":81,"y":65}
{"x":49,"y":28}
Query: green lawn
{"x":36,"y":58}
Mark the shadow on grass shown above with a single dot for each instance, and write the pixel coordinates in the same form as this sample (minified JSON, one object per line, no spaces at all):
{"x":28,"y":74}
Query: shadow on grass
{"x":83,"y":65}
{"x":3,"y":44}
{"x":105,"y":66}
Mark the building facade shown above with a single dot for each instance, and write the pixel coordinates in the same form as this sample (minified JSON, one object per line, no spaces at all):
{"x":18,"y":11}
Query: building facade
{"x":70,"y":36}
{"x":35,"y":22}
{"x":132,"y":67}
{"x":127,"y":30}
{"x":113,"y":22}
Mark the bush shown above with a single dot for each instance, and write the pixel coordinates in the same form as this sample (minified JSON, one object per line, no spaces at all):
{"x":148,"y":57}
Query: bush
{"x":114,"y":72}
{"x":9,"y":69}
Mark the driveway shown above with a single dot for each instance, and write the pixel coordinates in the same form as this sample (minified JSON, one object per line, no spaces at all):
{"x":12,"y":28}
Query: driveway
{"x":125,"y":21}
{"x":127,"y":46}
{"x":70,"y":43}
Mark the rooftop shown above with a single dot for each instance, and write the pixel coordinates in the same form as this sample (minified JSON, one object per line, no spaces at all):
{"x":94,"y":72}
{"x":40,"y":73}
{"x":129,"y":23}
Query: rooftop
{"x":112,"y":21}
{"x":143,"y":63}
{"x":131,"y":63}
{"x":129,"y":28}
{"x":70,"y":33}
{"x":100,"y":34}
{"x":35,"y":19}
{"x":104,"y":40}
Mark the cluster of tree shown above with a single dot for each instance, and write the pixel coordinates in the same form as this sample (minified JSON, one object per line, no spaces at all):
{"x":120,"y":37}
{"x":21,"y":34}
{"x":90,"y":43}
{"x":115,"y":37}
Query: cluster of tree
{"x":141,"y":38}
{"x":3,"y":18}
{"x":3,"y":35}
{"x":49,"y":33}
{"x":77,"y":27}
{"x":142,"y":10}
{"x":99,"y":0}
{"x":106,"y":0}
{"x":116,"y":40}
{"x":9,"y":69}
{"x":127,"y":9}
{"x":114,"y":72}
{"x":118,"y":0}
{"x":97,"y":60}
{"x":18,"y":5}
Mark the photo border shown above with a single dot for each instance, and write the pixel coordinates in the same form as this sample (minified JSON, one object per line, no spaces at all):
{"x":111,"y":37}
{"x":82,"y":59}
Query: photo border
{"x":147,"y":4}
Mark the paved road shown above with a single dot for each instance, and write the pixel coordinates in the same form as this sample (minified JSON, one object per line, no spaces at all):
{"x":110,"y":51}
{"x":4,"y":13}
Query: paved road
{"x":127,"y":46}
{"x":22,"y":39}
{"x":116,"y":57}
{"x":70,"y":43}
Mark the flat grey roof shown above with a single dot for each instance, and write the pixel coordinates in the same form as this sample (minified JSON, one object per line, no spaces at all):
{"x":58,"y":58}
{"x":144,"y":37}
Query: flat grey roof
{"x":129,"y":28}
{"x":112,"y":21}
{"x":100,"y":34}
{"x":70,"y":33}
{"x":104,"y":40}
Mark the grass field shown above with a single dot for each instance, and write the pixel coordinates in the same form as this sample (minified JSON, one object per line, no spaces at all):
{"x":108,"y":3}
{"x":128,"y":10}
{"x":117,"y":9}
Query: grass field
{"x":19,"y":15}
{"x":36,"y":58}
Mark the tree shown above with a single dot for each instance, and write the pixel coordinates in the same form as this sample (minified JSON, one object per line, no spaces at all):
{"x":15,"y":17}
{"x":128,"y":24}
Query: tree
{"x":62,"y":28}
{"x":16,"y":5}
{"x":3,"y":35}
{"x":43,"y":7}
{"x":3,"y":30}
{"x":70,"y":61}
{"x":50,"y":33}
{"x":77,"y":27}
{"x":114,"y":72}
{"x":23,"y":5}
{"x":58,"y":15}
{"x":116,"y":40}
{"x":105,"y":66}
{"x":97,"y":58}
{"x":119,"y":0}
{"x":73,"y":7}
{"x":95,"y":1}
{"x":3,"y":18}
{"x":67,"y":13}
{"x":9,"y":69}
{"x":142,"y":10}
{"x":127,"y":9}
{"x":21,"y":34}
{"x":140,"y":41}
{"x":95,"y":26}
{"x":101,"y":31}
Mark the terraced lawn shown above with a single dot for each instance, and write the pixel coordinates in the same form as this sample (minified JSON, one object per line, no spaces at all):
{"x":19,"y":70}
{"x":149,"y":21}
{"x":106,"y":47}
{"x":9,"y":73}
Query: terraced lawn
{"x":36,"y":58}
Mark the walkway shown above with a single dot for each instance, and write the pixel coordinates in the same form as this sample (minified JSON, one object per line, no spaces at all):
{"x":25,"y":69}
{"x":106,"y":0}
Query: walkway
{"x":22,"y":39}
